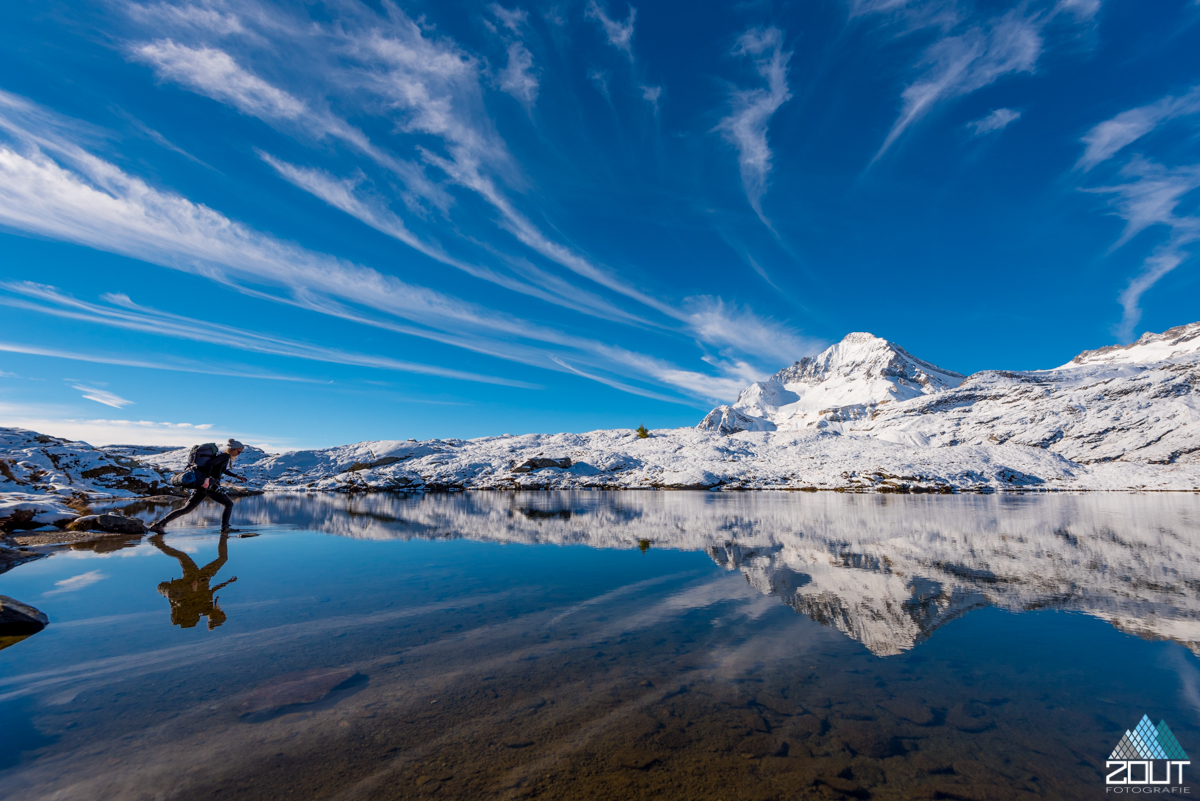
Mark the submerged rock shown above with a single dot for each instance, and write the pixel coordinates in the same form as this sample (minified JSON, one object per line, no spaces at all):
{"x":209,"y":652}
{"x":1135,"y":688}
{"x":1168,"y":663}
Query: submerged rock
{"x":306,"y":687}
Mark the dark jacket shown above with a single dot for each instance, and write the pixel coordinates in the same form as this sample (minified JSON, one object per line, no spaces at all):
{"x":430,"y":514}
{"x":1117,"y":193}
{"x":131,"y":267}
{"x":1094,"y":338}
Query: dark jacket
{"x":217,"y":467}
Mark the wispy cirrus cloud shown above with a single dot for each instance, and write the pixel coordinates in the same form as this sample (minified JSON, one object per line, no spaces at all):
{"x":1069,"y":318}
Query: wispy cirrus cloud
{"x":619,"y":34}
{"x":169,"y":363}
{"x":122,"y":312}
{"x":746,"y":126}
{"x":91,"y":202}
{"x":998,"y":120}
{"x":432,"y":87}
{"x":1151,"y":196}
{"x":102,"y":396}
{"x":968,"y":52}
{"x":514,"y":19}
{"x":306,"y":79}
{"x":215,"y":74}
{"x":958,"y":65}
{"x":75,"y":583}
{"x":1108,"y":138}
{"x":519,"y":77}
{"x":651,"y":94}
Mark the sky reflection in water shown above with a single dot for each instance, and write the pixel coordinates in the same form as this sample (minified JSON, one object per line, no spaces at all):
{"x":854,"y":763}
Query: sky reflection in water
{"x":609,"y":645}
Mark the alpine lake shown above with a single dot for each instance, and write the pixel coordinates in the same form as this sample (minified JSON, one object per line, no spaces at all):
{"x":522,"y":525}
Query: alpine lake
{"x":595,"y":645}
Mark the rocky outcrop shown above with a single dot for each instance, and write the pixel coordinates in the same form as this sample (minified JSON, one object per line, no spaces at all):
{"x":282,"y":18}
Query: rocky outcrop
{"x":541,"y":463}
{"x":110,"y":524}
{"x":22,"y":511}
{"x":20,"y":620}
{"x":33,"y":463}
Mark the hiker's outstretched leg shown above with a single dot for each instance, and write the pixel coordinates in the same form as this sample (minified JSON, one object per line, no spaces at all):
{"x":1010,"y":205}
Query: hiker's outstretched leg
{"x":193,"y":502}
{"x":225,"y":501}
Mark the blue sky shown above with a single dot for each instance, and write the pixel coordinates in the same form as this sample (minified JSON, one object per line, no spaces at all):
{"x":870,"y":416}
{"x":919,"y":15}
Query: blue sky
{"x":309,"y":224}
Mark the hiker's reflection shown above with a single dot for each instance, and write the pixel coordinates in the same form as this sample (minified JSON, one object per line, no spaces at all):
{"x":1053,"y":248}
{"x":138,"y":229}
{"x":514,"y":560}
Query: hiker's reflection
{"x":190,"y":596}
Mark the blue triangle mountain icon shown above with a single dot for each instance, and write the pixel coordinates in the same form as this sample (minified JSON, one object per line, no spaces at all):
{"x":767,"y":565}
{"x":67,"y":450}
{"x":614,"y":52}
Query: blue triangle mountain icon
{"x":1148,"y":741}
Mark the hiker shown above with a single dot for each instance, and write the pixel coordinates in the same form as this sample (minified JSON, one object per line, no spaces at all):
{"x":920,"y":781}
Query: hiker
{"x":203,"y":477}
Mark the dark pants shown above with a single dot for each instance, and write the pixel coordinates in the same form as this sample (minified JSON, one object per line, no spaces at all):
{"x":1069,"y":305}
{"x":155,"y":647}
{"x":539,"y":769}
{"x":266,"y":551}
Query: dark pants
{"x":194,"y":501}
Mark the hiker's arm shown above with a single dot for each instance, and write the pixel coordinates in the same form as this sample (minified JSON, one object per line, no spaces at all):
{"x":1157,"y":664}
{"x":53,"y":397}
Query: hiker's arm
{"x":235,"y":476}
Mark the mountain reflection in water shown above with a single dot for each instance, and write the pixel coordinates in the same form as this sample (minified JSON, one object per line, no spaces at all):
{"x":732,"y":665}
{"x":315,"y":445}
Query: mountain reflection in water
{"x":886,"y":570}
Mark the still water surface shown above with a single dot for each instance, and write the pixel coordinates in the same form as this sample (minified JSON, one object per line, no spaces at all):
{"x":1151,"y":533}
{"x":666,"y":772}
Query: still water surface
{"x":609,"y":645}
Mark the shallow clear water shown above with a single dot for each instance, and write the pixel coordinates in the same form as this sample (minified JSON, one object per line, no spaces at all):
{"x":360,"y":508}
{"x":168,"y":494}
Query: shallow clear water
{"x":596,"y":645}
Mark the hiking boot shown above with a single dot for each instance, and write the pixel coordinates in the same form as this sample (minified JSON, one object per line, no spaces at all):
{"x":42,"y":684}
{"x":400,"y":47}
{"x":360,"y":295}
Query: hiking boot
{"x":230,"y":530}
{"x":157,"y":528}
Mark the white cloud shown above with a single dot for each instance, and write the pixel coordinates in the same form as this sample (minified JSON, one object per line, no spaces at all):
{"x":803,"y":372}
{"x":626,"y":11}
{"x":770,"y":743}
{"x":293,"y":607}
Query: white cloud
{"x":214,"y":73}
{"x":513,"y":19}
{"x":619,"y":34}
{"x":1106,"y":139}
{"x":161,"y":363}
{"x":959,"y":65}
{"x":75,"y":583}
{"x":110,"y":432}
{"x":1151,"y":199}
{"x":1081,"y":9}
{"x":717,"y":322}
{"x":746,"y":126}
{"x":599,"y":79}
{"x":193,"y":18}
{"x":998,"y":120}
{"x":518,"y":78}
{"x":102,"y":396}
{"x":382,"y":65}
{"x":124,"y":313}
{"x":651,"y":94}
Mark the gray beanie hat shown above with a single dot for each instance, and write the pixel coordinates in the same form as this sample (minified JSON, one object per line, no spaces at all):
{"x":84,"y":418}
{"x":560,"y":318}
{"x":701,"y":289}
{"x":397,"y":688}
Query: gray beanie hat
{"x":234,"y":445}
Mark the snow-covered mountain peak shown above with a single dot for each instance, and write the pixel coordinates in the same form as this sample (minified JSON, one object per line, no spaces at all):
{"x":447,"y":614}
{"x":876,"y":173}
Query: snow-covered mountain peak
{"x":1174,"y":344}
{"x":862,"y":356}
{"x":843,"y":382}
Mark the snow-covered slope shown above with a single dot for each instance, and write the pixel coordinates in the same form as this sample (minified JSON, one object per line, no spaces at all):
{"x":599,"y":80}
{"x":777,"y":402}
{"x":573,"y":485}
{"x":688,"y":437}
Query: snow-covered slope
{"x":1181,"y":343}
{"x":1134,"y":404}
{"x":863,"y":415}
{"x":841,"y":384}
{"x":35,"y":463}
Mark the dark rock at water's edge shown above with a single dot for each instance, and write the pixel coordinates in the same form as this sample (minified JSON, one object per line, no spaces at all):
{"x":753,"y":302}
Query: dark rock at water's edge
{"x":529,"y":465}
{"x":11,"y":557}
{"x":20,"y":620}
{"x":111,"y":524}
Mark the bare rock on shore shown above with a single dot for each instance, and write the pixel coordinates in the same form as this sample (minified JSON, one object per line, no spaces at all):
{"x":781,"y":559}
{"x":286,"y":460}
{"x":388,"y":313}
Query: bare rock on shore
{"x":20,"y":620}
{"x":109,"y":524}
{"x":11,"y":557}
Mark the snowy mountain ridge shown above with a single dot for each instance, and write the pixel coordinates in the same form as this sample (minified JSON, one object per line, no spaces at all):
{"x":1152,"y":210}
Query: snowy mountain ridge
{"x":864,"y":415}
{"x":843,"y":383}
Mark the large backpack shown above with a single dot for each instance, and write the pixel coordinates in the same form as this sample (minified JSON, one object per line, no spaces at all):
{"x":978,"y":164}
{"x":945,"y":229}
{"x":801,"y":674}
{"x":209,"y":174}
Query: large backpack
{"x":200,"y":457}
